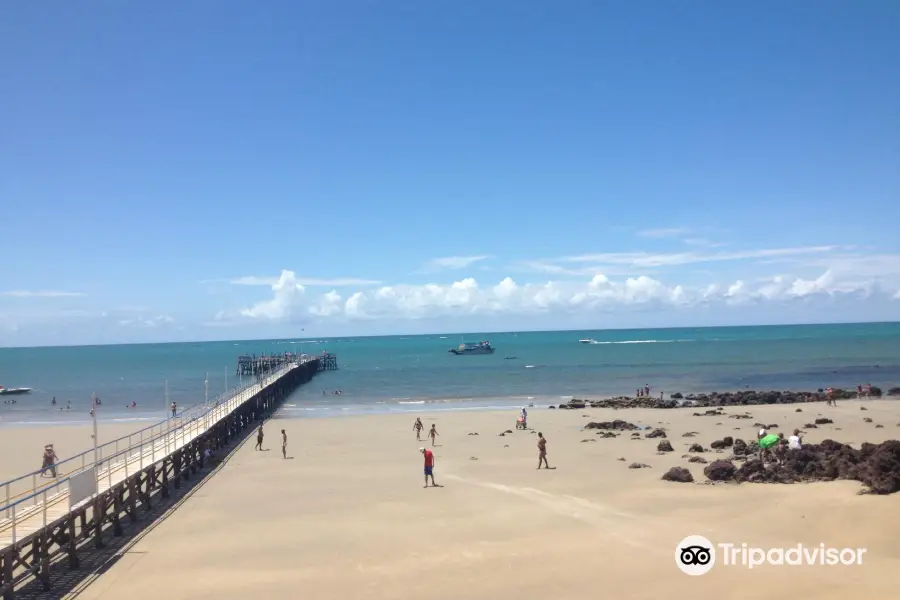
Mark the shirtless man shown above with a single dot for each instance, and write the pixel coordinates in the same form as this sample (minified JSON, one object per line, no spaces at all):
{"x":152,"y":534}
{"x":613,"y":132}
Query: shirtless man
{"x":432,"y":434}
{"x":542,"y":451}
{"x":283,"y":444}
{"x":418,"y":427}
{"x":259,"y":438}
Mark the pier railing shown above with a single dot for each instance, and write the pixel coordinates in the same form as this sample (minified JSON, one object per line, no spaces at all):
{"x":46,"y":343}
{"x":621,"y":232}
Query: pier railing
{"x":129,"y":453}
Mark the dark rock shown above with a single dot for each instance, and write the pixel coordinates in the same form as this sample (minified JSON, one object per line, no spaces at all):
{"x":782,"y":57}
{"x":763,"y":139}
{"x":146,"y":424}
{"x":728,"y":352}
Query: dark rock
{"x":823,"y":421}
{"x":473,"y":434}
{"x":875,"y":391}
{"x":697,"y":459}
{"x":678,"y":396}
{"x":740,"y":448}
{"x":894,"y":391}
{"x":508,"y":431}
{"x":678,"y":475}
{"x":867,"y":420}
{"x":720,"y":470}
{"x":689,"y":434}
{"x":607,"y":434}
{"x":798,"y":410}
{"x":622,"y":459}
{"x":811,"y":426}
{"x":656,"y":433}
{"x":696,"y":448}
{"x":588,"y":440}
{"x":863,"y":408}
{"x":616,"y":425}
{"x":665,"y":446}
{"x":743,"y":416}
{"x":637,"y":465}
{"x":725,"y":442}
{"x":879,"y":426}
{"x":635,"y":435}
{"x":551,"y":406}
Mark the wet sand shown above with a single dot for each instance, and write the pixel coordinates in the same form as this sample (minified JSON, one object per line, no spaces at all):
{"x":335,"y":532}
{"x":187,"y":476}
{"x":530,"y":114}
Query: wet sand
{"x":347,"y":517}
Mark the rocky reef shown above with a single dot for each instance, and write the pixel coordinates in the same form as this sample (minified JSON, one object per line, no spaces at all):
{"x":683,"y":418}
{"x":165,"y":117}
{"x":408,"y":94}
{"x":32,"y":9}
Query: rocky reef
{"x":740,"y":398}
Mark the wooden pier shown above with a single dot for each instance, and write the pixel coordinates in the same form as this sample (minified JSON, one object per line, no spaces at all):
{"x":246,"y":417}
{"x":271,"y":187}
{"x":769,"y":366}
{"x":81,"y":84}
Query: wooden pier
{"x":252,"y":365}
{"x":43,"y":530}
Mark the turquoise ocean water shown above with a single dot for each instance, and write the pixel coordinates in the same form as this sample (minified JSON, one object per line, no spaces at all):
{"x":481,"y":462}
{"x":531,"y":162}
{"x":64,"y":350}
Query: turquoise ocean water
{"x":408,"y":373}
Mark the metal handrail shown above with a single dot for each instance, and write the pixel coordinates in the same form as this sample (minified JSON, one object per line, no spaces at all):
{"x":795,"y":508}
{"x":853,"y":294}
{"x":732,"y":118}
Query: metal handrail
{"x":9,"y":507}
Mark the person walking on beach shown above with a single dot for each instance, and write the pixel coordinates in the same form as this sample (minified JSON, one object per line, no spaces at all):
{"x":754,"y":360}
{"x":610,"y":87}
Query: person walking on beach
{"x":259,"y":438}
{"x":283,"y":444}
{"x":542,"y":451}
{"x":418,"y":427}
{"x":433,"y":433}
{"x":49,"y":461}
{"x":429,"y":466}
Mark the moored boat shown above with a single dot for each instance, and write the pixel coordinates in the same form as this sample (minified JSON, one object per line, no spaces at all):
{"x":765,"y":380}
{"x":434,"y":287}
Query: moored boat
{"x":479,"y":348}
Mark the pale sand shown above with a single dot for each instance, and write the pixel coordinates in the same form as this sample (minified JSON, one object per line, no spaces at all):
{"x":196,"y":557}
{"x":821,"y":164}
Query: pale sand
{"x":348,"y":518}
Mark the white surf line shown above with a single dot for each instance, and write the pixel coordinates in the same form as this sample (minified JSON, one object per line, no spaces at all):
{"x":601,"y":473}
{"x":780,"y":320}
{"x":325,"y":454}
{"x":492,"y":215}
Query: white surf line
{"x":571,"y":506}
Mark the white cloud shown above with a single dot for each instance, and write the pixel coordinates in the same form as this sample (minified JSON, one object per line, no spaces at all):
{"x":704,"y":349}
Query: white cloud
{"x":288,"y":293}
{"x":148,"y":322}
{"x":468,"y":297}
{"x":305,"y":281}
{"x":452,"y":262}
{"x":650,"y":260}
{"x":42,"y":294}
{"x":665,"y":232}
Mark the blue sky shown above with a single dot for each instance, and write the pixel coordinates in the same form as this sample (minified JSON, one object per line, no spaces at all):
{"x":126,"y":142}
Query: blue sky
{"x":174,"y":171}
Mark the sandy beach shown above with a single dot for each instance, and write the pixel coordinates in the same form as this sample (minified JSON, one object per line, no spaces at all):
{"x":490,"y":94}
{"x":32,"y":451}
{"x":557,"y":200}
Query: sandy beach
{"x":347,"y":516}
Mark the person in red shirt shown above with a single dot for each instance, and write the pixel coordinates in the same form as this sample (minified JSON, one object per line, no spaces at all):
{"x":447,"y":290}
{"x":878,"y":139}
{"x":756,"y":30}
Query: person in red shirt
{"x":429,"y":466}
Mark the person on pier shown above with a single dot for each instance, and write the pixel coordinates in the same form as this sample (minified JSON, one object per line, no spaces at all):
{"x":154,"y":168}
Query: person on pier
{"x":174,"y":408}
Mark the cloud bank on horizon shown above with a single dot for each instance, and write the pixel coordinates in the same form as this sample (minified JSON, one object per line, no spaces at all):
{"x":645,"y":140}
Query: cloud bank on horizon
{"x":690,"y":284}
{"x":585,"y":283}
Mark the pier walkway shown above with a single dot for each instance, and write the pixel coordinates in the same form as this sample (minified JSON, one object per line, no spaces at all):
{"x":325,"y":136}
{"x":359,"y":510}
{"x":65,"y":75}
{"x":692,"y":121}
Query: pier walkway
{"x":39,"y":516}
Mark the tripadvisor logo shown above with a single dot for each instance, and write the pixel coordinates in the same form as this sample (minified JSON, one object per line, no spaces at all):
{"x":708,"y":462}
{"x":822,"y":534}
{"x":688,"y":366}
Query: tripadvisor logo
{"x":696,"y":555}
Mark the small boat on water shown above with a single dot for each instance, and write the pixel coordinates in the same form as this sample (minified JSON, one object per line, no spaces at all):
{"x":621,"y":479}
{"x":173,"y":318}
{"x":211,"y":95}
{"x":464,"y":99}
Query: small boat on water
{"x":479,"y":348}
{"x":587,"y":341}
{"x":13,"y":391}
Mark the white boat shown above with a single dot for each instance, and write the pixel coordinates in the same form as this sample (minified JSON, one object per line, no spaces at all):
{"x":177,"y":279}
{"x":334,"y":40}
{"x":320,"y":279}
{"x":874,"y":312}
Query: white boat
{"x":587,"y":341}
{"x":13,"y":391}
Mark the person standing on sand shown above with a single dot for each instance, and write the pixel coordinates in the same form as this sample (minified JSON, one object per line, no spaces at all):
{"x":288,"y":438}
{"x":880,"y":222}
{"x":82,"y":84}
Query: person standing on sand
{"x":259,"y":438}
{"x":418,"y":427}
{"x":433,"y":433}
{"x":283,"y":444}
{"x":429,"y":466}
{"x":542,"y":451}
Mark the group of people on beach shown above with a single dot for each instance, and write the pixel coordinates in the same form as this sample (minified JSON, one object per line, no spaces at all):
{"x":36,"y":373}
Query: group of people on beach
{"x":260,"y":435}
{"x":769,"y":442}
{"x":418,"y":426}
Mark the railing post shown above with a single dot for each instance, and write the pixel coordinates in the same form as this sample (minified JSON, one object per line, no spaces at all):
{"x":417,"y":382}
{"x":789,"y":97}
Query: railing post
{"x":7,"y":500}
{"x":142,"y":450}
{"x":45,"y":508}
{"x":34,"y":486}
{"x":14,"y":524}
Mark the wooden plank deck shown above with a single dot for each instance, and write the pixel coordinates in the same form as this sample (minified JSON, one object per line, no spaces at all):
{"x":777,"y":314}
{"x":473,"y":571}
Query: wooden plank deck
{"x":33,"y":518}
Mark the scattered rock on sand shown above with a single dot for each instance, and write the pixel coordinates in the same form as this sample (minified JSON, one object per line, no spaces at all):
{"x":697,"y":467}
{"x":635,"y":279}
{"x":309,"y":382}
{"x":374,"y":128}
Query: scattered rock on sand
{"x":823,"y":421}
{"x":867,"y":420}
{"x":798,"y":410}
{"x":689,"y":434}
{"x":616,"y":425}
{"x":665,"y":446}
{"x":811,"y":426}
{"x":740,"y":448}
{"x":588,"y":440}
{"x":656,"y":433}
{"x":637,"y":465}
{"x":879,"y":425}
{"x":607,"y":434}
{"x":697,"y":459}
{"x":696,"y":448}
{"x":743,"y":416}
{"x":622,"y":459}
{"x":720,"y":470}
{"x":678,"y":475}
{"x":863,"y":408}
{"x":473,"y":434}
